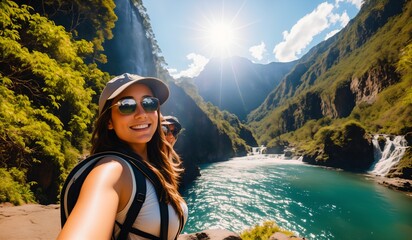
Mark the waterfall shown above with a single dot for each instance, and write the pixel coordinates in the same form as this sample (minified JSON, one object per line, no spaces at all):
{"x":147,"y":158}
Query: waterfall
{"x":389,"y":156}
{"x":257,"y":150}
{"x":129,"y":50}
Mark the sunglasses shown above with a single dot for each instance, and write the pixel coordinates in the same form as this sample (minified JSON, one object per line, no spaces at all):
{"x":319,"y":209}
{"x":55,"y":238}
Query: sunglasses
{"x":167,"y":130}
{"x":128,"y":105}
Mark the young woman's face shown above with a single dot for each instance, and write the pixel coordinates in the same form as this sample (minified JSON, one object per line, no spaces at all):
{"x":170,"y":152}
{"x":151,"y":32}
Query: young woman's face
{"x":138,"y":127}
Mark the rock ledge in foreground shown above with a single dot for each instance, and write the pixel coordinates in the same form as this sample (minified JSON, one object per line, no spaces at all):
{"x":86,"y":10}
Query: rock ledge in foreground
{"x":211,"y":234}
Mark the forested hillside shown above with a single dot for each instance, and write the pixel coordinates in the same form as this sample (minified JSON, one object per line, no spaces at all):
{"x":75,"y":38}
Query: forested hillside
{"x":357,"y":81}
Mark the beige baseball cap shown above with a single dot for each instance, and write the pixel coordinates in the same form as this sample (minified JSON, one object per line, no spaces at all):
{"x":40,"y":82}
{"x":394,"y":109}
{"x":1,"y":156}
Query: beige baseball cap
{"x":119,"y":83}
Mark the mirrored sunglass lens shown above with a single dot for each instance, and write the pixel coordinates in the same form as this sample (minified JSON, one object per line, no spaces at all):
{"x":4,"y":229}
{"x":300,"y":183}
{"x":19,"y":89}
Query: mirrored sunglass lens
{"x":150,"y":104}
{"x":127,"y":106}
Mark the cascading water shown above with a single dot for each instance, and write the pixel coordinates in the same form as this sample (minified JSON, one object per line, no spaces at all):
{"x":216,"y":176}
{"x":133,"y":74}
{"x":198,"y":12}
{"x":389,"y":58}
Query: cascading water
{"x":390,"y":155}
{"x":129,"y":50}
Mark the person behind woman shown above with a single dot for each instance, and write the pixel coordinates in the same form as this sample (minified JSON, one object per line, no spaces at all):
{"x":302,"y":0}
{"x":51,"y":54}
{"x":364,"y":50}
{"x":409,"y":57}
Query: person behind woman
{"x":171,"y":128}
{"x":128,"y":122}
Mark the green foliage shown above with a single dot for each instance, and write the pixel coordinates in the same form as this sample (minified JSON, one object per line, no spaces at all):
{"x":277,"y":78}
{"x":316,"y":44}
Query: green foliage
{"x":222,"y":120}
{"x":392,"y":110}
{"x":13,"y":187}
{"x":47,"y":94}
{"x":263,"y":231}
{"x":225,"y":122}
{"x":92,"y":20}
{"x":315,"y":133}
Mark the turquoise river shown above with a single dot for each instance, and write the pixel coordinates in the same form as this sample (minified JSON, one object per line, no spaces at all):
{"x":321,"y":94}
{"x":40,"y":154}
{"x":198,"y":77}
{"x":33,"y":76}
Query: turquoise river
{"x":313,"y":202}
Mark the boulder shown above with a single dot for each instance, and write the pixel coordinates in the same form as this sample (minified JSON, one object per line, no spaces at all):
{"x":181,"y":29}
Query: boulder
{"x":211,"y":234}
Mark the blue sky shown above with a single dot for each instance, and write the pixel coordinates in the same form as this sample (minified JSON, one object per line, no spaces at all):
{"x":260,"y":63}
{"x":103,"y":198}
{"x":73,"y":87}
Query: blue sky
{"x":191,"y":32}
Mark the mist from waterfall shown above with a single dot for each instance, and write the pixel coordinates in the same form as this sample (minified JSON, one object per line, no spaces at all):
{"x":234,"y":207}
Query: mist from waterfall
{"x":388,"y":156}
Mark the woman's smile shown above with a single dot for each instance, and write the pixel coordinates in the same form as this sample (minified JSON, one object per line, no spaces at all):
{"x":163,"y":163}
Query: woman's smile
{"x":140,"y":126}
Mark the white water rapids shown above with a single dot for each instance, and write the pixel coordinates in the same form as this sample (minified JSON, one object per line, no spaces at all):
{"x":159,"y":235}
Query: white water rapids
{"x":389,"y":156}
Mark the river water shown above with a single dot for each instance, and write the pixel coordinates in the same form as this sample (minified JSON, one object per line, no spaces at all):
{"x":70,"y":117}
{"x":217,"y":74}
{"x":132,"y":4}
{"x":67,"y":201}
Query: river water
{"x":313,"y":202}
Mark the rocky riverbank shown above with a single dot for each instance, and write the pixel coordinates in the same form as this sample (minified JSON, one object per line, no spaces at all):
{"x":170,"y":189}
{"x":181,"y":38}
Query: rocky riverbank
{"x":398,"y":184}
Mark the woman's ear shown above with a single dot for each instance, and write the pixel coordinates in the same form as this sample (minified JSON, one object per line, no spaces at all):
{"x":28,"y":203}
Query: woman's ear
{"x":110,"y":125}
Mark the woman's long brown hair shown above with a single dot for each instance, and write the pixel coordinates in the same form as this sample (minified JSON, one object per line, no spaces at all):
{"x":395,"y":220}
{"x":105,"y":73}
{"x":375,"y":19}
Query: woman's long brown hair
{"x":163,"y":160}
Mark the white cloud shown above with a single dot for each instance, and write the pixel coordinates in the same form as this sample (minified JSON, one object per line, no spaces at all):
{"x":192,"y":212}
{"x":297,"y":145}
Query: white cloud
{"x":357,"y":3}
{"x":197,"y":65}
{"x":258,"y":51}
{"x":330,"y":34}
{"x":302,"y":33}
{"x":344,"y":19}
{"x":334,"y":18}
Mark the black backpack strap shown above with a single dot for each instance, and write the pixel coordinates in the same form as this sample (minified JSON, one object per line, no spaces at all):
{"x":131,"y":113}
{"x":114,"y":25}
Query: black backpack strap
{"x":164,"y":220}
{"x":74,"y":181}
{"x":137,"y":204}
{"x":141,"y":170}
{"x":164,"y":211}
{"x":181,"y":225}
{"x":144,"y":234}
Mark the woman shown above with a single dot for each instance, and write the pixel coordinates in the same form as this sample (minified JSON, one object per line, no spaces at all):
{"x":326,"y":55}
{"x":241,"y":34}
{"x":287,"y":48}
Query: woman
{"x":129,"y":121}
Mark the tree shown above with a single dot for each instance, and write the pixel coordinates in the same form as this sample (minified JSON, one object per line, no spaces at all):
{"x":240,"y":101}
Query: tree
{"x":46,"y":96}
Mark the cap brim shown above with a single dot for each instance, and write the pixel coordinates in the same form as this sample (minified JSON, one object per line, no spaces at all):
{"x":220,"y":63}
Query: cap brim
{"x":118,"y":84}
{"x":159,"y":88}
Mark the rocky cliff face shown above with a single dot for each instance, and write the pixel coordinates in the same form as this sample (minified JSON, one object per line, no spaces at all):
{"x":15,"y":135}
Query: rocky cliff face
{"x":340,"y":103}
{"x":349,"y":149}
{"x":367,"y":87}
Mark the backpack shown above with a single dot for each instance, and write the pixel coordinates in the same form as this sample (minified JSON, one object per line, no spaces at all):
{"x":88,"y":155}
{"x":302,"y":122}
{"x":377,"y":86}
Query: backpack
{"x":74,"y":181}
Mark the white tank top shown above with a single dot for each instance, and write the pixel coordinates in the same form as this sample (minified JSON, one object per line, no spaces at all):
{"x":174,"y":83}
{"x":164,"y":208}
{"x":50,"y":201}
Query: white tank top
{"x":148,"y":219}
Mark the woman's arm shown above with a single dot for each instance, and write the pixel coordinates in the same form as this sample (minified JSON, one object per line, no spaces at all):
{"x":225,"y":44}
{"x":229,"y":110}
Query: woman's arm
{"x":105,"y":192}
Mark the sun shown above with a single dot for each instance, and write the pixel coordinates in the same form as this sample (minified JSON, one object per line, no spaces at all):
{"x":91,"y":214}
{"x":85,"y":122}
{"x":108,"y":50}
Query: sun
{"x":221,"y":36}
{"x":220,"y":32}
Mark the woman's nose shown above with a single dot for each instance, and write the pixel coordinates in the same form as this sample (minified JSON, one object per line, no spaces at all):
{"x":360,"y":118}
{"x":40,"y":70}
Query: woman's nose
{"x":139,"y":111}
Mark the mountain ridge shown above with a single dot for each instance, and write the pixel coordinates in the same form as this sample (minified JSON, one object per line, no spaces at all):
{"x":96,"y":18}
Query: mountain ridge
{"x":237,"y":85}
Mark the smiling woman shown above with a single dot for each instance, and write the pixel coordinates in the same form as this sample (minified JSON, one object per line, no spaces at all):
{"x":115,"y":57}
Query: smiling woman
{"x":127,"y":145}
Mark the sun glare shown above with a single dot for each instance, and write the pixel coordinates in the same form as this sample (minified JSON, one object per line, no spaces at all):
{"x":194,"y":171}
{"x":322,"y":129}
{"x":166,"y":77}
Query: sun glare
{"x":220,"y":32}
{"x":222,"y":38}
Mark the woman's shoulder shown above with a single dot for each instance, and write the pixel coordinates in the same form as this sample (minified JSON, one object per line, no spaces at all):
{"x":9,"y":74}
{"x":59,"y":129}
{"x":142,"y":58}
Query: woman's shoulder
{"x":112,"y":159}
{"x":112,"y":169}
